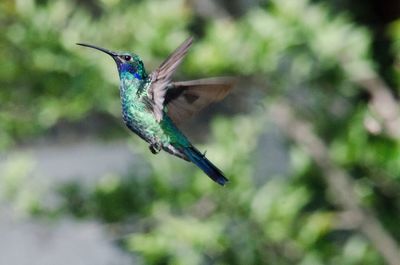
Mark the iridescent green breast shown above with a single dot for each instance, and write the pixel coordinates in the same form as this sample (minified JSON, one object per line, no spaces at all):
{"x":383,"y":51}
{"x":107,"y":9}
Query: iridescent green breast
{"x":138,"y":115}
{"x":136,"y":109}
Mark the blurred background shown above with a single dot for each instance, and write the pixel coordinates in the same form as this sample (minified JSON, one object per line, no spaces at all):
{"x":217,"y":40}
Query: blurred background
{"x":309,"y":138}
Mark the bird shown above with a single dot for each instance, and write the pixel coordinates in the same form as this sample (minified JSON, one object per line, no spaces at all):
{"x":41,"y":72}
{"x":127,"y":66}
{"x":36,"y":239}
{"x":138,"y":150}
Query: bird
{"x":153,"y":105}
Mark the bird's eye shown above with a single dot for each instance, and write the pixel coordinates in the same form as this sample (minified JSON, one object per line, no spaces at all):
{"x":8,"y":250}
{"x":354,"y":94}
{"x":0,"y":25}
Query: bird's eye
{"x":127,"y":57}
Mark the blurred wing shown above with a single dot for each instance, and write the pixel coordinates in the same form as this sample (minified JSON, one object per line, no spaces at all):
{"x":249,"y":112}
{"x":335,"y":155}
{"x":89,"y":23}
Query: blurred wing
{"x":161,"y":77}
{"x":183,"y":99}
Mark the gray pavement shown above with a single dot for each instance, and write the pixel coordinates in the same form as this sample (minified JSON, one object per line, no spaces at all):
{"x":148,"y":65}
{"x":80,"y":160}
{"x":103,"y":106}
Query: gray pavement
{"x":27,"y":241}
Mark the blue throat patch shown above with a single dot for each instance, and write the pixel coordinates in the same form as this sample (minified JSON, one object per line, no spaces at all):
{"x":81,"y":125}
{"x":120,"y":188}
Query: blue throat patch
{"x":137,"y":76}
{"x":128,"y":68}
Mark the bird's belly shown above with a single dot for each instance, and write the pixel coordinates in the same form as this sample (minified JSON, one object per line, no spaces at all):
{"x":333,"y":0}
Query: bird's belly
{"x":144,"y":124}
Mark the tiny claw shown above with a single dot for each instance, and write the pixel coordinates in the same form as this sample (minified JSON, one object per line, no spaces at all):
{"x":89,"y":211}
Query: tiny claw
{"x":204,"y":154}
{"x":155,"y":148}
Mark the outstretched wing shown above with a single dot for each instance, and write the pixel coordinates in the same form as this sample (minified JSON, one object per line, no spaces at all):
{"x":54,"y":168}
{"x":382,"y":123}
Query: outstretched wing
{"x":183,"y":99}
{"x":161,"y":77}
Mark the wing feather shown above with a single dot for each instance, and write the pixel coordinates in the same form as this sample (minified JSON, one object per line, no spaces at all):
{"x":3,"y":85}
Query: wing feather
{"x":183,"y":99}
{"x":161,"y":77}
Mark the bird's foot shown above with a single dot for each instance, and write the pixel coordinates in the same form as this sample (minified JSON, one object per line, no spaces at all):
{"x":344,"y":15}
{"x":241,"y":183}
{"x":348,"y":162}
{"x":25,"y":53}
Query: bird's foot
{"x":155,"y":148}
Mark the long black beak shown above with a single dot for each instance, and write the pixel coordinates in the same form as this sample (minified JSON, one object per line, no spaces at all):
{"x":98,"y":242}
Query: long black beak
{"x":111,"y":53}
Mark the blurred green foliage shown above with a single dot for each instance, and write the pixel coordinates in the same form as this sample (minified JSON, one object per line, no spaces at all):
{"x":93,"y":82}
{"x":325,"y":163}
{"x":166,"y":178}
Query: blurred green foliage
{"x":283,"y":49}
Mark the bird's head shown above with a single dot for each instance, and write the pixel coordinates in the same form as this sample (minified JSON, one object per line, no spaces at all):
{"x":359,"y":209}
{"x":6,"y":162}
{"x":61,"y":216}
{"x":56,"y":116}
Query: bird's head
{"x":127,"y":62}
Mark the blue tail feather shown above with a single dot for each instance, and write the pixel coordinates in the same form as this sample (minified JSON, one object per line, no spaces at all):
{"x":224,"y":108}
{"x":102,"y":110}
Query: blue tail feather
{"x":204,"y":164}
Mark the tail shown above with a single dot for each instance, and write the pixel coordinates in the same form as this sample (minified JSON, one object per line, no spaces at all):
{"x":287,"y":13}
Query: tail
{"x":204,"y":164}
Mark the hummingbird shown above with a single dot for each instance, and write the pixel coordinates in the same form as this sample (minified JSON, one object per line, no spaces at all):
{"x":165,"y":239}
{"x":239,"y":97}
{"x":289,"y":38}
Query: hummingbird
{"x":153,"y":105}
